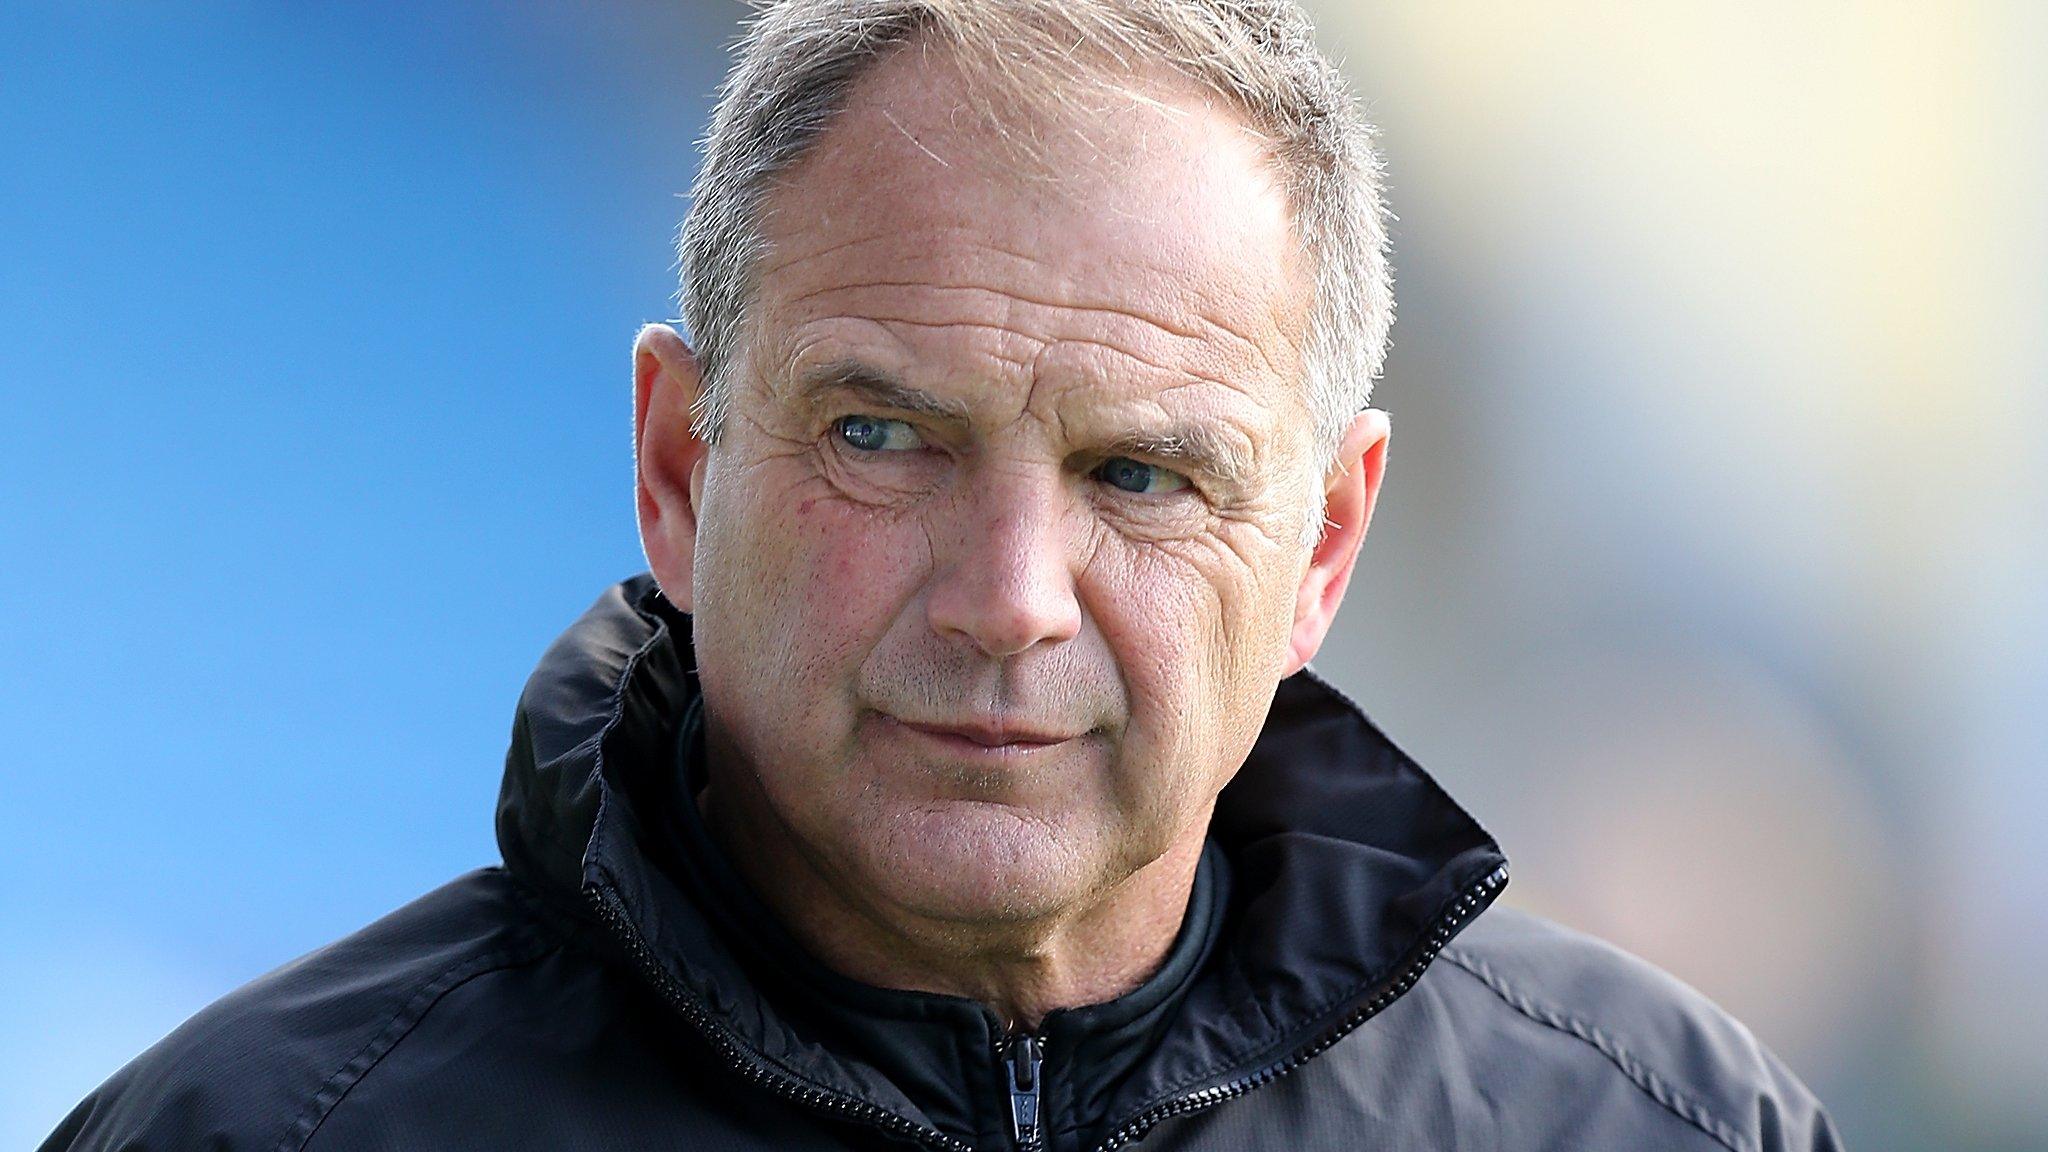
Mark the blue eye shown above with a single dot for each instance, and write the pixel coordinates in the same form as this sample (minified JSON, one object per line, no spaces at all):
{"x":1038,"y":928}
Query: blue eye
{"x":874,"y":434}
{"x":1139,"y":477}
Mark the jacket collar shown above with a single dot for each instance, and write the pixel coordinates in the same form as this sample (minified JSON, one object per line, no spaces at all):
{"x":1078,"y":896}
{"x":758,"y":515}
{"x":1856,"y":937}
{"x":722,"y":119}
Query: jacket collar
{"x":1350,"y":867}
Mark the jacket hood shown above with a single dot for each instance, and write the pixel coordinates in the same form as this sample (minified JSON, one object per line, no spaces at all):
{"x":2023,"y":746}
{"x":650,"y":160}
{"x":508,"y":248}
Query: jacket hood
{"x":1349,"y":869}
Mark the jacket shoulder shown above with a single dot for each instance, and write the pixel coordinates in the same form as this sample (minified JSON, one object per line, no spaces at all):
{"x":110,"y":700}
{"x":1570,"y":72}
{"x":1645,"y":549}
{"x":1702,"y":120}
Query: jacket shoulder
{"x":261,"y":1067}
{"x":1680,"y":1051}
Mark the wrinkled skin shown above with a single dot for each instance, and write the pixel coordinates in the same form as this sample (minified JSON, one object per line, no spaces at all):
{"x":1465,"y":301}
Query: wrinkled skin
{"x":997,"y":562}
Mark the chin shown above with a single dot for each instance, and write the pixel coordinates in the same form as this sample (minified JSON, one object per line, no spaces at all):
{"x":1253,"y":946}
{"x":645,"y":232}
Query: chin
{"x":982,"y":862}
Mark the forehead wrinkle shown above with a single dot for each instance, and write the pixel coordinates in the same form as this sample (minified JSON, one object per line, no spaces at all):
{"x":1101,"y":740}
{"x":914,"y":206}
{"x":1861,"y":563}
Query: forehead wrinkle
{"x":1196,"y":314}
{"x":1035,"y":365}
{"x":1201,"y":314}
{"x":832,"y":348}
{"x":927,"y":238}
{"x":915,"y":275}
{"x":1187,"y":377}
{"x":1215,"y":400}
{"x":1190,"y":375}
{"x":776,"y":259}
{"x":1198,"y":331}
{"x":1009,"y":297}
{"x":1184,"y":377}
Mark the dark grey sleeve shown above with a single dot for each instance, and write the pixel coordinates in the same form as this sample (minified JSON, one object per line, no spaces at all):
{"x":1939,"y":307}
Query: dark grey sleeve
{"x":1588,"y":1019}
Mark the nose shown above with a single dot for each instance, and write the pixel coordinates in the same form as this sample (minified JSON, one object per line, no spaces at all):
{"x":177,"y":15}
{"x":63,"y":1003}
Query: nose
{"x":1003,"y":577}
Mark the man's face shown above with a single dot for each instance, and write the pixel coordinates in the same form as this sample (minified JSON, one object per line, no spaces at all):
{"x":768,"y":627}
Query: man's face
{"x":998,"y":560}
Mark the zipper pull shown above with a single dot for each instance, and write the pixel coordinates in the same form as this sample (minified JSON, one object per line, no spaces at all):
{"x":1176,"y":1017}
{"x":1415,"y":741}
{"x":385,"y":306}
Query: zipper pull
{"x":1022,"y":1067}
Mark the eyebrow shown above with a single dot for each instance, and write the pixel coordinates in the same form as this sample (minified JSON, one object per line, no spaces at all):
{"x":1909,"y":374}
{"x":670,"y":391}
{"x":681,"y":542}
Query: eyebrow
{"x":882,"y":387}
{"x":1195,"y":447}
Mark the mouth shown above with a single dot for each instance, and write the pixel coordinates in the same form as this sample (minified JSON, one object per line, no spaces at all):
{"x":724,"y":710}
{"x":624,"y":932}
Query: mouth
{"x":982,"y":737}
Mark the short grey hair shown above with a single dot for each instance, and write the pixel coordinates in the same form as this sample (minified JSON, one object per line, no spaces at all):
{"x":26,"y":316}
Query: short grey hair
{"x":798,"y":60}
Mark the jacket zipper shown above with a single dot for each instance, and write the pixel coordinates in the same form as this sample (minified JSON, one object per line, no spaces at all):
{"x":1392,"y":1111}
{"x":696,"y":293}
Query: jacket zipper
{"x":1022,"y":1065}
{"x":1474,"y":900}
{"x":757,"y":1071}
{"x":612,"y":909}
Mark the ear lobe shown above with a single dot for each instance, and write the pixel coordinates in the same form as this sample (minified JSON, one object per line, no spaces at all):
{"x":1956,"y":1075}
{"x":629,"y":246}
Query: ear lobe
{"x":1350,"y":490}
{"x":668,"y":457}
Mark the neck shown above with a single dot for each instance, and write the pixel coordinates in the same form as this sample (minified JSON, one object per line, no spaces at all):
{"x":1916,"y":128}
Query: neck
{"x":1021,"y":970}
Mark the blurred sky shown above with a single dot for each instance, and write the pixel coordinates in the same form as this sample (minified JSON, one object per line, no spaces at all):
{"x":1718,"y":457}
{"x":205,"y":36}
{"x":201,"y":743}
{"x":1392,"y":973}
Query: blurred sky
{"x":1710,"y":569}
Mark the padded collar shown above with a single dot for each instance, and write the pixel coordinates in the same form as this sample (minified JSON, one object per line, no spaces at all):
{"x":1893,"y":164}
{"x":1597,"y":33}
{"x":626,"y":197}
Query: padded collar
{"x":1348,"y":865}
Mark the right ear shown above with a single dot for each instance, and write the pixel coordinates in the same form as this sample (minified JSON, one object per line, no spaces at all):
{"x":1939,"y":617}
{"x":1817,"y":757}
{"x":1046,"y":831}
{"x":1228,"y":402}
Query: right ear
{"x":668,"y":457}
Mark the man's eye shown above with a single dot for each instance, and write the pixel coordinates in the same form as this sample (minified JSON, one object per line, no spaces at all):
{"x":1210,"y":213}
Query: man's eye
{"x":1137,"y":476}
{"x":874,"y":434}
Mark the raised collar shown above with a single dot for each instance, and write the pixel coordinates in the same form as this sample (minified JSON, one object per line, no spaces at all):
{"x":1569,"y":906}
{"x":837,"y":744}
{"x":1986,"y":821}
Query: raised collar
{"x":945,"y":1052}
{"x":1350,"y":868}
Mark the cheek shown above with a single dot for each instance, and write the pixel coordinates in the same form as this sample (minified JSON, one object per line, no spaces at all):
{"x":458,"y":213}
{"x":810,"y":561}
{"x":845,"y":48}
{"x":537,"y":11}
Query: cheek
{"x":800,"y":580}
{"x":1194,"y":618}
{"x":1200,"y":635}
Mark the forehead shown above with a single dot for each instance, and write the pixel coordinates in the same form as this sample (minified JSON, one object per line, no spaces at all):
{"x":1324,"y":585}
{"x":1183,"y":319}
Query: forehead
{"x":1146,"y":230}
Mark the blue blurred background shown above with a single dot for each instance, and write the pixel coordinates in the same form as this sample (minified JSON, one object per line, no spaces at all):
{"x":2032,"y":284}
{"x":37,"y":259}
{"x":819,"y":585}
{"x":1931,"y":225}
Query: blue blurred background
{"x":1710,"y":571}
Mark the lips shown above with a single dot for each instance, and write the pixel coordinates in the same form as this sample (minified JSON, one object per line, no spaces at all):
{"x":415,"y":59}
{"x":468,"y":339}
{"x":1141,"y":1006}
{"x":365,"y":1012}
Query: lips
{"x":991,"y":736}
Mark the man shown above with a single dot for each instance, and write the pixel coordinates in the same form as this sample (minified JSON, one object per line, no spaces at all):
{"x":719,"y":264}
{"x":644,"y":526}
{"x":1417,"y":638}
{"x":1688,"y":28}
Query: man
{"x":956,"y":780}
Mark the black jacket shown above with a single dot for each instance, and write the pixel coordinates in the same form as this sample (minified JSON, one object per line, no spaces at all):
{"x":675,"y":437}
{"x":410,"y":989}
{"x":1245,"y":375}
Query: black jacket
{"x":587,"y":995}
